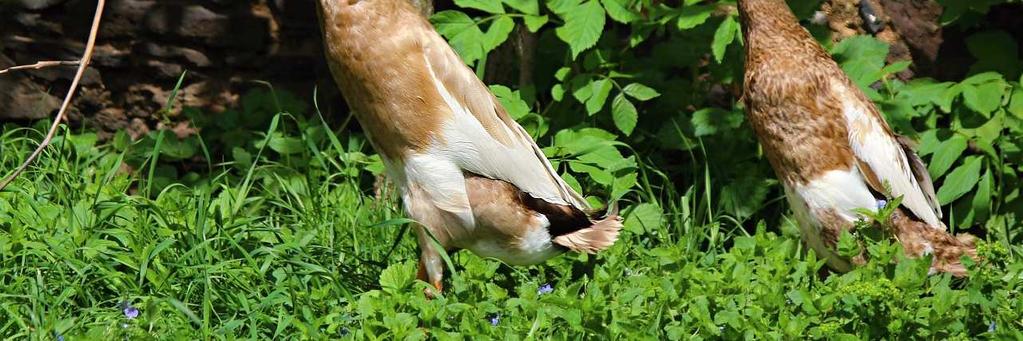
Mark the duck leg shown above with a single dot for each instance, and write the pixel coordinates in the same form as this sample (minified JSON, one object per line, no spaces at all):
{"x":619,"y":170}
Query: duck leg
{"x":431,"y":265}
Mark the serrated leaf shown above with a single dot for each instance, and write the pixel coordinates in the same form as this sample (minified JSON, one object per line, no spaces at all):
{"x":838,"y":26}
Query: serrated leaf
{"x":511,"y":101}
{"x":1016,"y":103}
{"x":619,"y":12}
{"x":601,"y":88}
{"x":724,"y":36}
{"x":640,"y":92}
{"x":960,"y":181}
{"x":489,"y":6}
{"x":982,"y":198}
{"x":497,"y":33}
{"x":583,"y":26}
{"x":462,"y":34}
{"x":624,"y":114}
{"x":534,"y":22}
{"x":693,"y":15}
{"x":946,"y":154}
{"x":644,"y":217}
{"x":984,"y":97}
{"x":524,"y":6}
{"x":862,"y":58}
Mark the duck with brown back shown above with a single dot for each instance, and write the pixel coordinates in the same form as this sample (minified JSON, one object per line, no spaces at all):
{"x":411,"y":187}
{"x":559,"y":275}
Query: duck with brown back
{"x":830,"y":147}
{"x":468,"y":173}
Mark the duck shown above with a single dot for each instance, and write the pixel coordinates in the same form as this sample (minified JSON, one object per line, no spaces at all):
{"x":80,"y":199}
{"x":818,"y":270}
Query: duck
{"x":468,"y":174}
{"x":831,"y":149}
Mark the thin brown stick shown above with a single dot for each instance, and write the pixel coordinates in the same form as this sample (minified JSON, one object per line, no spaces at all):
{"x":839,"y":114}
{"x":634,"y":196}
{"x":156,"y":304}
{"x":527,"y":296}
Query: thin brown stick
{"x":40,"y":65}
{"x":83,"y":63}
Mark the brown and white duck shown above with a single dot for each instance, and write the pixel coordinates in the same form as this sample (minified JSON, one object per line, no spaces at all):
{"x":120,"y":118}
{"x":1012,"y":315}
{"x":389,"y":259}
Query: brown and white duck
{"x":830,"y":147}
{"x":469,"y":174}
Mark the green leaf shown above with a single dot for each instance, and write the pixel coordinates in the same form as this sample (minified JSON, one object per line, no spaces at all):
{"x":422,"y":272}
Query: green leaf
{"x":961,"y":180}
{"x":619,"y":11}
{"x":640,"y":92}
{"x":497,"y":33}
{"x":524,"y":6}
{"x":601,"y":89}
{"x":397,"y":277}
{"x":982,"y":199}
{"x":534,"y":22}
{"x":489,"y":6}
{"x":1016,"y":103}
{"x":644,"y":217}
{"x":709,"y":121}
{"x":724,"y":36}
{"x":461,"y":32}
{"x":983,"y":94}
{"x":624,"y":114}
{"x":995,"y":51}
{"x":511,"y":101}
{"x":691,"y":16}
{"x":862,"y":58}
{"x":583,"y":26}
{"x":947,"y":153}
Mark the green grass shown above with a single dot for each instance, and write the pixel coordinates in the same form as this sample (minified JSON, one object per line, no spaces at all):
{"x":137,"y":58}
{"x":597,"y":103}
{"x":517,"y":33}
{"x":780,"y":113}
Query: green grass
{"x":299,"y":245}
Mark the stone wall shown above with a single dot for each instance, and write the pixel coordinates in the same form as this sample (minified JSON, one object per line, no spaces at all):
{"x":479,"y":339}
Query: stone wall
{"x":144,"y":46}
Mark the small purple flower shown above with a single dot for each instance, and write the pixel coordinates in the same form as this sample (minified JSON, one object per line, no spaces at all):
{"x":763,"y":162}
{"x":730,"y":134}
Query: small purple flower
{"x":344,"y":331}
{"x":130,"y":311}
{"x":58,"y":336}
{"x":495,"y":320}
{"x":881,"y":203}
{"x":545,"y":289}
{"x":991,"y":328}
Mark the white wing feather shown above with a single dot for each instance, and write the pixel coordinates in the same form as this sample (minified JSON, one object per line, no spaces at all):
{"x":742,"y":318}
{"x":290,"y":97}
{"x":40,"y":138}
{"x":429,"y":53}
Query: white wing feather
{"x":473,"y":148}
{"x":875,"y":146}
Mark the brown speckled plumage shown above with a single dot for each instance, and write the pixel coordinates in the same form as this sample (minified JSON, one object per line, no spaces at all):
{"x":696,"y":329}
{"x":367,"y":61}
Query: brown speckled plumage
{"x":819,"y":132}
{"x":469,"y":174}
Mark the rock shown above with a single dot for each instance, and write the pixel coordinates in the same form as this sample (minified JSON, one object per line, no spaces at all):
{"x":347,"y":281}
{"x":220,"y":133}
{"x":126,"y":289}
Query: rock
{"x":197,"y":22}
{"x":20,"y":98}
{"x":35,"y":5}
{"x":192,"y":57}
{"x":163,"y":70}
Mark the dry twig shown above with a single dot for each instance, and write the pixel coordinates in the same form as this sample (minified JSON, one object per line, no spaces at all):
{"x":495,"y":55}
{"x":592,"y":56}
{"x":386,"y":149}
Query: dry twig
{"x":40,"y":65}
{"x":82,"y":64}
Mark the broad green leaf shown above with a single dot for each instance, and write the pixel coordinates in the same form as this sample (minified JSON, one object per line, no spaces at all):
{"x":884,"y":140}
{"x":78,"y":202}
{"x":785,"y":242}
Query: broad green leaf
{"x":983,"y":96}
{"x":644,"y":217}
{"x":511,"y":101}
{"x":583,"y":26}
{"x":961,"y":180}
{"x":489,"y":6}
{"x":619,"y":11}
{"x":525,"y":6}
{"x":995,"y":51}
{"x":461,"y":32}
{"x":693,"y":15}
{"x":862,"y":58}
{"x":497,"y":33}
{"x":1016,"y":103}
{"x":947,"y":153}
{"x":982,"y":198}
{"x":534,"y":22}
{"x":397,"y":277}
{"x":724,"y":36}
{"x":624,"y":114}
{"x":640,"y":92}
{"x":601,"y":89}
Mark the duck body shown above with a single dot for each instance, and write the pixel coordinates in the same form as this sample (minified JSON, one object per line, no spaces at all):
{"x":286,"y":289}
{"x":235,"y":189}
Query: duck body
{"x":829,"y":145}
{"x":468,"y":173}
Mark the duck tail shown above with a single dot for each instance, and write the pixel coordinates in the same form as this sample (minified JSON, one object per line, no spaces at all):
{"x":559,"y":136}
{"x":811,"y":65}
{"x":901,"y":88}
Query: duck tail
{"x":600,"y":235}
{"x":918,"y":239}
